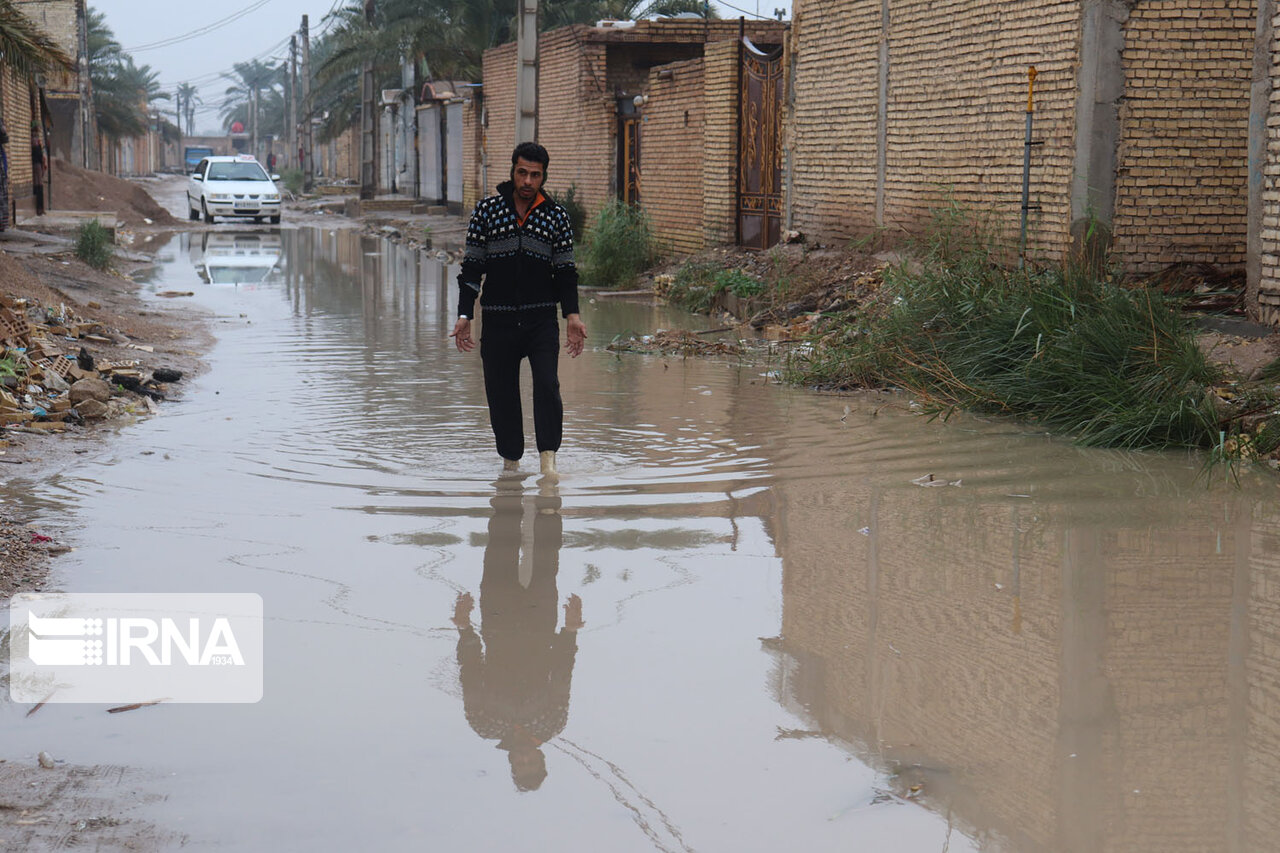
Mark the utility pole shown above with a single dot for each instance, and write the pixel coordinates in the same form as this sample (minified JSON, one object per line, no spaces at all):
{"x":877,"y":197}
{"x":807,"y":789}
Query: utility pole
{"x":291,"y":105}
{"x":527,"y":73}
{"x":253,"y":118}
{"x":368,"y":121}
{"x":182,"y":160}
{"x":308,"y":166}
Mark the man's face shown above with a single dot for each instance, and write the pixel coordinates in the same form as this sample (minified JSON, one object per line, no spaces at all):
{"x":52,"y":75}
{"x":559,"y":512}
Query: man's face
{"x":528,"y":176}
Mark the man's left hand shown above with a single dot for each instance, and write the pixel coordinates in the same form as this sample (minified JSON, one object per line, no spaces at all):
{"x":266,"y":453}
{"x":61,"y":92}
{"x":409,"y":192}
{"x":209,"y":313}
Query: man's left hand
{"x":575,"y":334}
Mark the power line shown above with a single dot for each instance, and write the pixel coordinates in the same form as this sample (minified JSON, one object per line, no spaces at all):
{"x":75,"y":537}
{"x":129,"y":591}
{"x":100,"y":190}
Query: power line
{"x":207,"y":28}
{"x":743,"y":11}
{"x":213,"y":76}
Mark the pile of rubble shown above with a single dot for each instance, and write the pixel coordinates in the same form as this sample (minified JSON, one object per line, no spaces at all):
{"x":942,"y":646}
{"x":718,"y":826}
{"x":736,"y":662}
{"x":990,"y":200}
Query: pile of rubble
{"x":49,"y":378}
{"x":818,"y":308}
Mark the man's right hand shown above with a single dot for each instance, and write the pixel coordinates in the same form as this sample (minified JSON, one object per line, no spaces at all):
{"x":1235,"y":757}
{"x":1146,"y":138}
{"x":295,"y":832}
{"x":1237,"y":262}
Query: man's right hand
{"x":462,"y":335}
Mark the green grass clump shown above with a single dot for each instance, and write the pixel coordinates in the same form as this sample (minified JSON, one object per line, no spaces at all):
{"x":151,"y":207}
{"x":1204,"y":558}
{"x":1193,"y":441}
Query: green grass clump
{"x":696,"y":285}
{"x":572,"y":204}
{"x":738,"y":283}
{"x":1060,"y":346}
{"x":619,"y":246}
{"x":292,"y":180}
{"x":94,"y":245}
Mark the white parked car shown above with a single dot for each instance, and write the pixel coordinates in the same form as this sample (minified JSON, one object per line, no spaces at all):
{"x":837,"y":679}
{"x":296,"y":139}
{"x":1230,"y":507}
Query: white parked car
{"x":233,"y":186}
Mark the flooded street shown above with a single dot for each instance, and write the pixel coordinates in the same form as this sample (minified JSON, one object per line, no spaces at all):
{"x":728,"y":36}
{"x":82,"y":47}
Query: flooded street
{"x":736,"y":624}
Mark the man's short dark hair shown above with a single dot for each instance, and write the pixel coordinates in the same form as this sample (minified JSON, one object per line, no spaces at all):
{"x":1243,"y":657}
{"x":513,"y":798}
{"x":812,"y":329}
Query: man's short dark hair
{"x":533,"y":152}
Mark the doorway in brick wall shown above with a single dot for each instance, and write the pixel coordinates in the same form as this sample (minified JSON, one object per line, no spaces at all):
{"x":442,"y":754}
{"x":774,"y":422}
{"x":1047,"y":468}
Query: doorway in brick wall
{"x":759,"y":146}
{"x":629,"y":158}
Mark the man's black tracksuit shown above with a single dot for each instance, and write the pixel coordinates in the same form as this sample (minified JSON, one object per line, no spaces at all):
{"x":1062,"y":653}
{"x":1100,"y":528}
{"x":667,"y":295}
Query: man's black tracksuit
{"x":520,"y":271}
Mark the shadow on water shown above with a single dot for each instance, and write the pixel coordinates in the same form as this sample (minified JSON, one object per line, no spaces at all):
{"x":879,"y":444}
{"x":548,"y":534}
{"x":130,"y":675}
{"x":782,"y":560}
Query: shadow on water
{"x":788,"y":643}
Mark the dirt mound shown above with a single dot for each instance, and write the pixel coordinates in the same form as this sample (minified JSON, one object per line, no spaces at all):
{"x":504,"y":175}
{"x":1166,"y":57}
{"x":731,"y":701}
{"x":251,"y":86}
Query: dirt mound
{"x":78,"y":189}
{"x":15,"y":276}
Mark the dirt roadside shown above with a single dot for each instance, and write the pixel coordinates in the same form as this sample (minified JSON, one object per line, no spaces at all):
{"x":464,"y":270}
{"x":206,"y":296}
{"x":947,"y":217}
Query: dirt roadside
{"x":71,"y":311}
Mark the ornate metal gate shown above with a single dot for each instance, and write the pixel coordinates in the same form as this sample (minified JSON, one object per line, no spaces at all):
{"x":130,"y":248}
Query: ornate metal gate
{"x":760,"y":148}
{"x":629,"y":161}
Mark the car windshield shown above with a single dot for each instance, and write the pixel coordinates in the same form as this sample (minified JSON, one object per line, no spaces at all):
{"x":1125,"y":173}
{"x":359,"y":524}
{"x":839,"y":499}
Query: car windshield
{"x":236,"y":172}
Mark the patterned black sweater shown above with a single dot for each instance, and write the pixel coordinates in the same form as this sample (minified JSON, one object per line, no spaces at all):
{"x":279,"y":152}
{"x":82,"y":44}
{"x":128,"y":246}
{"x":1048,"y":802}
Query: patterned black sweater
{"x":523,"y":269}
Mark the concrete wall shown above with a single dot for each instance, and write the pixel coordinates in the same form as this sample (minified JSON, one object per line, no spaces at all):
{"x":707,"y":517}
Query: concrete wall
{"x":671,"y":184}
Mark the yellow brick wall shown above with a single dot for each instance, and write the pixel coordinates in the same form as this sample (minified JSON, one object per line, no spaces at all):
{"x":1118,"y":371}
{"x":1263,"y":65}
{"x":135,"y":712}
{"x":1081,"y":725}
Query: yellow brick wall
{"x":671,"y":184}
{"x":1182,"y":184}
{"x":17,"y":122}
{"x":347,"y":147}
{"x":500,"y":114}
{"x":957,"y":111}
{"x":957,"y":92}
{"x":720,"y":142}
{"x":472,"y":150}
{"x":577,"y":92}
{"x":833,"y":142}
{"x":576,"y":117}
{"x":1269,"y":285}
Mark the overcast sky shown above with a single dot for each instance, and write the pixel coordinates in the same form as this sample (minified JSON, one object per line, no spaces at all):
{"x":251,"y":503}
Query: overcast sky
{"x":240,"y":30}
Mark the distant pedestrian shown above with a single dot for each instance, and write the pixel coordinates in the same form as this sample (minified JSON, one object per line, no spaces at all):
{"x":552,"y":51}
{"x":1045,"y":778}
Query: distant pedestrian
{"x":271,"y":161}
{"x":519,"y":263}
{"x":39,"y":166}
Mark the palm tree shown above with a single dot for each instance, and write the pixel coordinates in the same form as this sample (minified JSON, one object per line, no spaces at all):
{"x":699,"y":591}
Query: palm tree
{"x":26,"y":48}
{"x":188,"y":99}
{"x":248,"y":78}
{"x":558,"y":14}
{"x":123,"y":94}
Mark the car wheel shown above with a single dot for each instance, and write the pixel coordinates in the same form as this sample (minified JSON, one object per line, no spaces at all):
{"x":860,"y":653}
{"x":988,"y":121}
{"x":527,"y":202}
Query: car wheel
{"x":192,"y":213}
{"x":208,"y":217}
{"x":275,"y":220}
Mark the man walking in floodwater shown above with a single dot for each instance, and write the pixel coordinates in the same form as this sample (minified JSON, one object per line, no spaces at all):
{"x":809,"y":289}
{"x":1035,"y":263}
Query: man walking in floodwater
{"x":519,"y":262}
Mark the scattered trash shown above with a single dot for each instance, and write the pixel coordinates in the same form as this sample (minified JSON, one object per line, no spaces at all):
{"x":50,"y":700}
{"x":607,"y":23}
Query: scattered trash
{"x":866,"y":531}
{"x":173,"y":294}
{"x":683,"y":343}
{"x":135,"y":706}
{"x":46,"y":760}
{"x":930,"y":480}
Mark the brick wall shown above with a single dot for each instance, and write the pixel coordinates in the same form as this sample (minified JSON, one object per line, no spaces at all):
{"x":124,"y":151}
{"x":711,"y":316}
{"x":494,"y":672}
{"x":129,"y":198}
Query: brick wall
{"x":576,"y":117}
{"x":57,"y":18}
{"x":1182,"y":183}
{"x":955,"y":112}
{"x":500,"y":113}
{"x":1269,"y":286}
{"x":472,"y":150}
{"x":720,"y":142}
{"x":17,"y":121}
{"x":347,"y":146}
{"x":671,"y":182}
{"x":833,"y":142}
{"x":581,"y":71}
{"x":957,"y":101}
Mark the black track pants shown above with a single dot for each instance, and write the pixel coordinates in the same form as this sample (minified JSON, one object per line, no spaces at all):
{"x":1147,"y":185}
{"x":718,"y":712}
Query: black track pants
{"x":503,"y":343}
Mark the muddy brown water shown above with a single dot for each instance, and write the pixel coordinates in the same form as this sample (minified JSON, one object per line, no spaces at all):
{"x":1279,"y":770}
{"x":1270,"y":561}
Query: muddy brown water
{"x":785,"y":643}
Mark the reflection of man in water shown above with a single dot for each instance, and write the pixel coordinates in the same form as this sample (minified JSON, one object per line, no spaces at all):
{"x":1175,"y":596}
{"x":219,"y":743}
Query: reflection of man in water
{"x":516,"y":672}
